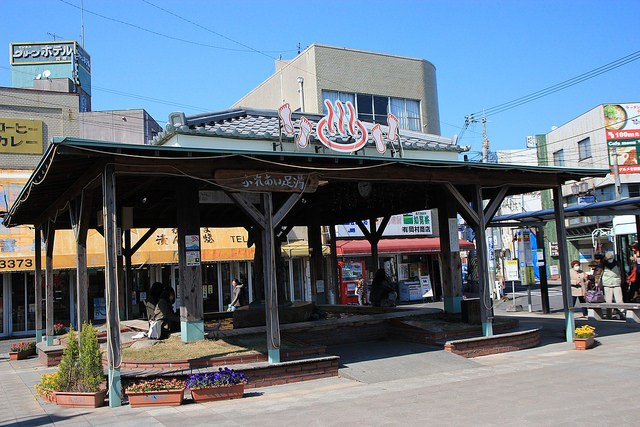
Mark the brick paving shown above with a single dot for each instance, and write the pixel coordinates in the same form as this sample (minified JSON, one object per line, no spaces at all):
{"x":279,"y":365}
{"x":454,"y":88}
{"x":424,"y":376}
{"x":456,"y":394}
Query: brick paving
{"x":396,"y":383}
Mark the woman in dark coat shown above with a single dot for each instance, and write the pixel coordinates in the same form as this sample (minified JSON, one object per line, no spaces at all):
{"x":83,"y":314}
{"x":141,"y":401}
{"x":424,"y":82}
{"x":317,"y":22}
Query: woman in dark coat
{"x":152,"y":299}
{"x":379,"y":287}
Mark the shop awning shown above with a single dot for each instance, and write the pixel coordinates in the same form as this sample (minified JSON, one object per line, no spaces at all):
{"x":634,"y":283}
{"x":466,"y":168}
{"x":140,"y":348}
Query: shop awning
{"x":392,"y":246}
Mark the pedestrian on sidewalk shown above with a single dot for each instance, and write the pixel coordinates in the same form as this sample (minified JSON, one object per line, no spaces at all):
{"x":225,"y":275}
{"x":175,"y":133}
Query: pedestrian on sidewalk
{"x":633,"y":279}
{"x":611,"y":281}
{"x":578,"y":284}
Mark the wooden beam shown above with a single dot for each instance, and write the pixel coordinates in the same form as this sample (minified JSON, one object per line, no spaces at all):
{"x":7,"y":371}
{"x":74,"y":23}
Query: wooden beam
{"x":248,"y":208}
{"x":464,"y":209}
{"x":286,"y":207}
{"x":143,"y":239}
{"x":494,"y":205}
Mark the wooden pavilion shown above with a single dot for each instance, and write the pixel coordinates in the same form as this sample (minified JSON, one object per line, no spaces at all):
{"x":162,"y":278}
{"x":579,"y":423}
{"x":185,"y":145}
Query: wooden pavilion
{"x":268,"y":173}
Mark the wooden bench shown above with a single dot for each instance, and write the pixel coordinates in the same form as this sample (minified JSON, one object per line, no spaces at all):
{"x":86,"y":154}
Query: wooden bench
{"x":631,"y":310}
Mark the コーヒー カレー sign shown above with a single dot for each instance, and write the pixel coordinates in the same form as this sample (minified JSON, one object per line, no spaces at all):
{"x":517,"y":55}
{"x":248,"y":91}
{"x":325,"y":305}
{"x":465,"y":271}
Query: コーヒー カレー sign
{"x":20,"y":136}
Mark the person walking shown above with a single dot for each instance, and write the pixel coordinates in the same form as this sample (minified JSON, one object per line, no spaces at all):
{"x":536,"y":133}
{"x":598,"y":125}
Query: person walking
{"x":611,"y":281}
{"x":238,"y":295}
{"x":578,"y":284}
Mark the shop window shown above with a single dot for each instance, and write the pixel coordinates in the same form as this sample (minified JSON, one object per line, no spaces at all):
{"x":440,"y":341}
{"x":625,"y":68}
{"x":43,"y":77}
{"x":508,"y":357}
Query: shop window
{"x":634,"y":190}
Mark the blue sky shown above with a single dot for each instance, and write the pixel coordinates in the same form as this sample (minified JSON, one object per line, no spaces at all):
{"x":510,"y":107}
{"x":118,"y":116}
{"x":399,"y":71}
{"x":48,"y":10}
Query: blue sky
{"x":486,"y":53}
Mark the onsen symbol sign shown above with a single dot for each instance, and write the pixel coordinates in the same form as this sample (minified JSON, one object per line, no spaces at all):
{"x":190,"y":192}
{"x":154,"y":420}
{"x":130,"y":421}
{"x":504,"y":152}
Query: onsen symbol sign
{"x":342,"y":122}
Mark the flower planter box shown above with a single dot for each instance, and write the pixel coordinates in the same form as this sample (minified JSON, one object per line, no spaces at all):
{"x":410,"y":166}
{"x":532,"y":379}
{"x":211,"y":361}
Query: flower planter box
{"x":208,"y":394}
{"x":17,"y":355}
{"x":156,"y":398}
{"x":71,"y":399}
{"x":584,"y":343}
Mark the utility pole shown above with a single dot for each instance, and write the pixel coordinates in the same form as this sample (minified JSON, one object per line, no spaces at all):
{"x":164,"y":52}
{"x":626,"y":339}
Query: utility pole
{"x":485,"y":140}
{"x":616,"y":174}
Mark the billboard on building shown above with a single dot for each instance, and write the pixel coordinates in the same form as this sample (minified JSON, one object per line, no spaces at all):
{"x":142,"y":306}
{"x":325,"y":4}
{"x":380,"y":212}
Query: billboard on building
{"x":58,"y":52}
{"x":622,"y":130}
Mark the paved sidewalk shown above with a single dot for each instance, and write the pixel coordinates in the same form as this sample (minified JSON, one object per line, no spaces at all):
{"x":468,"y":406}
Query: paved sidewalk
{"x":395,"y":383}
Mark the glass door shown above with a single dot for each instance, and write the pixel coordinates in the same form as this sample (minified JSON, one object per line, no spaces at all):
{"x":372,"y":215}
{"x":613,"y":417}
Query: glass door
{"x":3,"y":321}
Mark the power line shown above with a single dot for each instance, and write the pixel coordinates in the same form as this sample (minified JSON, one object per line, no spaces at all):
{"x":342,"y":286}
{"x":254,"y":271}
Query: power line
{"x":560,"y":86}
{"x":157,"y":33}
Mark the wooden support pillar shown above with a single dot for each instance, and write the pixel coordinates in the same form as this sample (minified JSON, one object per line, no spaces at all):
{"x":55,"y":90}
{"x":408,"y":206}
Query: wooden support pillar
{"x":114,"y":356}
{"x":374,"y":239}
{"x":486,"y":303}
{"x":317,"y":263}
{"x":79,"y":214}
{"x":37,"y":259}
{"x":189,"y":260}
{"x":49,"y":235}
{"x":373,"y":234}
{"x":267,"y":221}
{"x":451,"y":264}
{"x":128,"y":273}
{"x":270,"y":285}
{"x":561,"y":231}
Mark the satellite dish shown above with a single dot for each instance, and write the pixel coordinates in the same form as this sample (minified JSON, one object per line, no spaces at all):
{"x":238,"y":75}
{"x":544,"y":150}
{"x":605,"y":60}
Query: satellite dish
{"x":39,"y":76}
{"x":46,"y":74}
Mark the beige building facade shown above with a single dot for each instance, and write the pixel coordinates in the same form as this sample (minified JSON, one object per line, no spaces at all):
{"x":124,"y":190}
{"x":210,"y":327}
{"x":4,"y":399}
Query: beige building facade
{"x":376,"y":84}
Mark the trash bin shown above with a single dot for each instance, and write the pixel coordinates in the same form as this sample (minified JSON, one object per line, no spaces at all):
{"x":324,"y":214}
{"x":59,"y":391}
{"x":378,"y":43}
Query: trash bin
{"x":471,"y":311}
{"x":332,"y":297}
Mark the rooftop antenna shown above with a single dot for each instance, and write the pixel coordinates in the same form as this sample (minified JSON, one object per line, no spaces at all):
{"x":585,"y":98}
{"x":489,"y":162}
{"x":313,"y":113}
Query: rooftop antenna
{"x":54,"y":36}
{"x":298,"y":48}
{"x":82,"y":23}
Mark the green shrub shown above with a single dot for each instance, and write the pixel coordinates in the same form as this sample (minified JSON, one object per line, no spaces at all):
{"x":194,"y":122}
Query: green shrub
{"x":68,"y":369}
{"x":81,"y":366}
{"x":90,"y":361}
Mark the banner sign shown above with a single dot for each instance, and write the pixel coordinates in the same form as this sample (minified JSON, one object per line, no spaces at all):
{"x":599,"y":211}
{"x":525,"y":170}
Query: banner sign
{"x":262,"y":182}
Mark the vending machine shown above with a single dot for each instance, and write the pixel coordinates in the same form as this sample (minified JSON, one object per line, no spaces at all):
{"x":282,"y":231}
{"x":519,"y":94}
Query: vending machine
{"x":350,"y":272}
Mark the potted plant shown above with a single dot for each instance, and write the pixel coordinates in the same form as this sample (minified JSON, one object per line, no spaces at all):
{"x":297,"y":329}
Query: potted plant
{"x":156,"y":392}
{"x":221,"y":385}
{"x":22,"y":350}
{"x":80,"y":377}
{"x":47,"y":386}
{"x":59,"y":329}
{"x":584,"y":337}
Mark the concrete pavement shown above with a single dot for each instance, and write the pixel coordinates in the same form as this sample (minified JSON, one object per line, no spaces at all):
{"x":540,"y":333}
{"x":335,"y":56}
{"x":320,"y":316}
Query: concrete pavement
{"x":395,"y":383}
